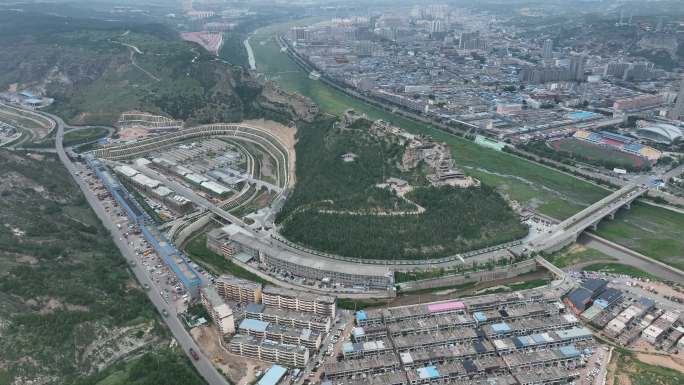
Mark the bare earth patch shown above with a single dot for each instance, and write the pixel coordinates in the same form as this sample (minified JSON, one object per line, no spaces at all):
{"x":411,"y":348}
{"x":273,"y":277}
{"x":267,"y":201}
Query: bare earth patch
{"x":131,"y":133}
{"x":668,"y":361}
{"x":287,"y":137}
{"x":28,"y":259}
{"x":240,"y":370}
{"x":55,"y":304}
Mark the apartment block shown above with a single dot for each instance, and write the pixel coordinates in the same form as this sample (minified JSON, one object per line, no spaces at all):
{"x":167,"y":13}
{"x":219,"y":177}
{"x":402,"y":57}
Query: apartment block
{"x":264,"y":350}
{"x":219,"y":311}
{"x":283,"y":334}
{"x":299,"y":301}
{"x":237,"y":289}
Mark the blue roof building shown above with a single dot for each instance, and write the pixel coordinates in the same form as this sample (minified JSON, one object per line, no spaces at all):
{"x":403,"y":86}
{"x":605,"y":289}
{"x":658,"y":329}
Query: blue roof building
{"x":255,"y":308}
{"x":428,"y":372}
{"x":501,"y":327}
{"x":569,"y":351}
{"x":273,"y":375}
{"x":479,"y":316}
{"x":253,"y":324}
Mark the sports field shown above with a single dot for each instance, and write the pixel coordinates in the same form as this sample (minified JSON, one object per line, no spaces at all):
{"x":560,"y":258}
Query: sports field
{"x":596,"y":153}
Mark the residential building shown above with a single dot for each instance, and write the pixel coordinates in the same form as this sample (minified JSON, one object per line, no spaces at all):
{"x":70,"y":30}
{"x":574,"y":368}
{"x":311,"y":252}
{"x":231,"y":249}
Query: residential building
{"x":221,"y":314}
{"x":264,"y":350}
{"x":299,"y":301}
{"x":237,"y":289}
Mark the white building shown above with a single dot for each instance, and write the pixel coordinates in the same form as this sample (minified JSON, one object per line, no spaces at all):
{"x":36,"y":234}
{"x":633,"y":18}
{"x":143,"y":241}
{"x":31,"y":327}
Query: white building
{"x":220,"y":312}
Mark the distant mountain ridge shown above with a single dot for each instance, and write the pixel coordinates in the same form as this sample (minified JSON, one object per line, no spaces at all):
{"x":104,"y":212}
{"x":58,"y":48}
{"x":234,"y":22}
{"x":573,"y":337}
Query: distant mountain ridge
{"x":95,"y":70}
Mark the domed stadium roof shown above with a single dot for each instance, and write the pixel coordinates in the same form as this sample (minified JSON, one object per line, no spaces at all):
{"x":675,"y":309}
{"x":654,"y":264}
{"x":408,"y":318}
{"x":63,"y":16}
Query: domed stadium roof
{"x":663,"y":133}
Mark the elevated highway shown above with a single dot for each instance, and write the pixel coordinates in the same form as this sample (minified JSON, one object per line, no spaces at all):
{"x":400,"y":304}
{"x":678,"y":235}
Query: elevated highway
{"x":567,"y":232}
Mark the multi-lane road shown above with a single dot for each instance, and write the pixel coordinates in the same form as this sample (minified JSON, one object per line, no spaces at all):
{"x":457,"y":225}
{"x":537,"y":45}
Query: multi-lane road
{"x":203,"y":365}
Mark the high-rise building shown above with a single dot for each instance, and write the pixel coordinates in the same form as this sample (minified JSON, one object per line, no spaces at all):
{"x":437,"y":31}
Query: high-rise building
{"x":678,"y":109}
{"x":577,"y":67}
{"x":547,"y":49}
{"x":300,"y":34}
{"x":437,"y":25}
{"x":271,"y":351}
{"x":629,"y":71}
{"x":472,"y":41}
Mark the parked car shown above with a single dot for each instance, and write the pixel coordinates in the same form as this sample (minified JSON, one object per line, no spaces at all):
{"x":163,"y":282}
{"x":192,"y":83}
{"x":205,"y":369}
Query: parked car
{"x":194,"y":354}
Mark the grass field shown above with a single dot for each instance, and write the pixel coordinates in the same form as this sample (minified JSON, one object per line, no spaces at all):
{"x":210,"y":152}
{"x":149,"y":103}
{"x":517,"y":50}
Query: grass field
{"x":631,"y":371}
{"x":551,"y":192}
{"x":528,"y":284}
{"x":577,"y":254}
{"x":596,"y":153}
{"x":85,"y":135}
{"x":653,"y":231}
{"x":618,"y":268}
{"x":200,"y":254}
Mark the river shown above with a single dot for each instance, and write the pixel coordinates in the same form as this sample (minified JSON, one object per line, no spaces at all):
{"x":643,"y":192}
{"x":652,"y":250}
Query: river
{"x":250,"y":54}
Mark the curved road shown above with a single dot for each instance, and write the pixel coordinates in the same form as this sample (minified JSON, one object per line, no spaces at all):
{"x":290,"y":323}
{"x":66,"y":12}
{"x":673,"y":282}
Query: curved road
{"x":203,"y":365}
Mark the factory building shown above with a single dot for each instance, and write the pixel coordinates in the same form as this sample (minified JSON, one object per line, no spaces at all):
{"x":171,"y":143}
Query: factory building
{"x":215,"y":189}
{"x":581,"y":298}
{"x":632,"y":314}
{"x":378,"y":364}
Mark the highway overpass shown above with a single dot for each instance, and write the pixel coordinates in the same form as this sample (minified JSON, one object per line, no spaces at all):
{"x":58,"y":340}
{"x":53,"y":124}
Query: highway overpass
{"x":567,"y":232}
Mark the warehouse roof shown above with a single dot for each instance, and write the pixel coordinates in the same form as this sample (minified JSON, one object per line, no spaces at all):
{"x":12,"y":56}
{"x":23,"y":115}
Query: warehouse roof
{"x":594,"y":285}
{"x":146,"y":181}
{"x":215,"y":188}
{"x":272,"y":375}
{"x":126,"y":170}
{"x":580,"y":297}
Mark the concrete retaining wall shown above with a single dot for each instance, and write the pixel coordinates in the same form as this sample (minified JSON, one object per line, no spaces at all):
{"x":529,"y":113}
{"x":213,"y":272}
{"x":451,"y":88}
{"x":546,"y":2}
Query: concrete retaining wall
{"x":192,"y":228}
{"x":309,"y":289}
{"x":500,"y":272}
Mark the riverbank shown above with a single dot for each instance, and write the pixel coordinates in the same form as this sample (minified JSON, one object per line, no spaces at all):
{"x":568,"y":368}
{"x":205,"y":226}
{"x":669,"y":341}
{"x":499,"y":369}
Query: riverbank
{"x":547,"y":191}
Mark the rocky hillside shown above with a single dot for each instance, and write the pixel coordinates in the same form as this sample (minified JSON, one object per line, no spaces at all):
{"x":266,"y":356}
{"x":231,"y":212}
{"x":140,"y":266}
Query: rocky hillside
{"x":95,"y":70}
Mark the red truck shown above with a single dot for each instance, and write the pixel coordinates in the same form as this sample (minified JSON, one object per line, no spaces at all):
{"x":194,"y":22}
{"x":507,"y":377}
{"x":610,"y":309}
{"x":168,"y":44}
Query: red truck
{"x":194,"y":354}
